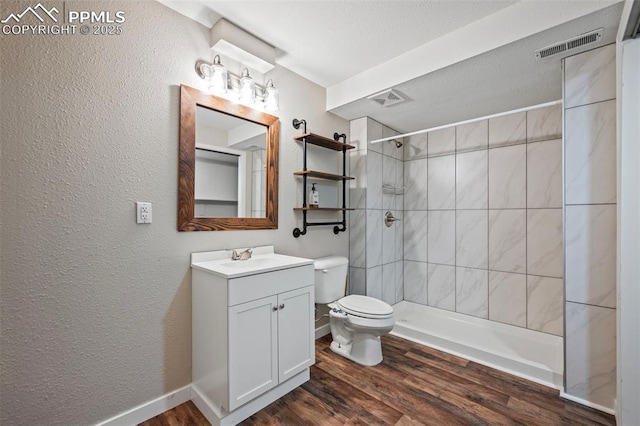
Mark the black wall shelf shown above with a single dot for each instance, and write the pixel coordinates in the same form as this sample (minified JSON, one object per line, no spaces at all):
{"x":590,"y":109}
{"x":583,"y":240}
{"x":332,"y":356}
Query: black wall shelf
{"x":335,"y":144}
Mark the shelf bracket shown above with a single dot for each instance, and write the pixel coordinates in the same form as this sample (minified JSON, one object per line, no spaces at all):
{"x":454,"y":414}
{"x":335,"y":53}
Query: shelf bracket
{"x":296,"y":124}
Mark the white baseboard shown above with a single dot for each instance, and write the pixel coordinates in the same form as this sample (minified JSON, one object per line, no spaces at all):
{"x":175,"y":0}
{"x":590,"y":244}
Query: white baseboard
{"x":150,"y":409}
{"x":217,"y":418}
{"x":587,"y":403}
{"x":323,"y":331}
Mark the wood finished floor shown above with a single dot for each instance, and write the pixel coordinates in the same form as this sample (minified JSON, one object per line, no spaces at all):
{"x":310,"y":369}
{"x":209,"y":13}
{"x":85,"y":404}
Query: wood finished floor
{"x":414,"y":385}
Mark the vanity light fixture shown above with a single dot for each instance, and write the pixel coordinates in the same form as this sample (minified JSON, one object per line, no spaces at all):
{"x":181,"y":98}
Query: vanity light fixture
{"x":247,"y":88}
{"x":242,"y":88}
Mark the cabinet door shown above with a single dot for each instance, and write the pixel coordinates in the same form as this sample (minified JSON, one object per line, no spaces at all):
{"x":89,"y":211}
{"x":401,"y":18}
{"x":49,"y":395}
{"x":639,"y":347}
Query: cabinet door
{"x":253,"y":351}
{"x":296,"y":344}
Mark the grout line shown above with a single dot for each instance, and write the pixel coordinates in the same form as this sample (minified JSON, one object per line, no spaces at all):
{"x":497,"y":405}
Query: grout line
{"x":592,"y":204}
{"x":591,"y":304}
{"x":488,"y":226}
{"x":526,"y":221}
{"x":590,"y":103}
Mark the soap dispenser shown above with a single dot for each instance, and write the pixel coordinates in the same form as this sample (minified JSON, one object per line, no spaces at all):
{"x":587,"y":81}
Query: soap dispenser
{"x":314,"y":197}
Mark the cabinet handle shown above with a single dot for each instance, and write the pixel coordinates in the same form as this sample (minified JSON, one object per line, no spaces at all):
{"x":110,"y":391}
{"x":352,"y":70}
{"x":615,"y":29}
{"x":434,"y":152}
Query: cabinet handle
{"x":281,"y":306}
{"x":275,"y":308}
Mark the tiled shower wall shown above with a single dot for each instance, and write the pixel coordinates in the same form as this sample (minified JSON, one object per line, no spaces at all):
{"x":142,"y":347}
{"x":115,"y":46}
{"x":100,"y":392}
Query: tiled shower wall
{"x":590,"y":249}
{"x":483,"y":219}
{"x":375,"y":250}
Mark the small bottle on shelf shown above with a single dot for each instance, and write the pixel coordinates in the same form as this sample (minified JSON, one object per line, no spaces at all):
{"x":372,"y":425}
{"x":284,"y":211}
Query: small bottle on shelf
{"x":314,"y":197}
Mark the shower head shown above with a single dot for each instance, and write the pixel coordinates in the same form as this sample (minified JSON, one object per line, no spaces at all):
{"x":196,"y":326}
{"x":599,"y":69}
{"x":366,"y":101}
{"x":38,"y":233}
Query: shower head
{"x":397,"y":142}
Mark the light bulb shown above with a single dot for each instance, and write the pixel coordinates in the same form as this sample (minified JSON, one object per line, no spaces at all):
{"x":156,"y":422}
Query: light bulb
{"x":271,"y":97}
{"x":247,"y":88}
{"x":217,"y":76}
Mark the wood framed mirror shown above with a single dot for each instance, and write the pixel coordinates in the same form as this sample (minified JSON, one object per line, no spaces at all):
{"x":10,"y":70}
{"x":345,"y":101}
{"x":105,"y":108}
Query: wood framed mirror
{"x":227,"y":165}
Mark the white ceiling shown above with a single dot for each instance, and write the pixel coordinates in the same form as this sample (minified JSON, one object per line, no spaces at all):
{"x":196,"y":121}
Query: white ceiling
{"x":453,"y":59}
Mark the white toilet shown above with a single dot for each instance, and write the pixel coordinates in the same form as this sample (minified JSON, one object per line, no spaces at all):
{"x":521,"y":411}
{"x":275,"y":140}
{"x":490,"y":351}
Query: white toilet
{"x":357,"y":322}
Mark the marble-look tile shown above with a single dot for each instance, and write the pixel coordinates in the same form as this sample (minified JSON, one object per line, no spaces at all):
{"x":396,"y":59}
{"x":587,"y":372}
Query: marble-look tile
{"x":357,"y":238}
{"x":590,"y":148}
{"x":442,"y":142}
{"x":374,"y":132}
{"x":544,"y":123}
{"x":591,"y":255}
{"x":544,"y":174}
{"x":389,"y":148}
{"x":507,"y":177}
{"x":472,"y":180}
{"x":388,"y":179}
{"x":374,"y":180}
{"x":472,"y":292}
{"x":472,"y":136}
{"x":441,"y":237}
{"x":358,"y":186}
{"x":358,"y":133}
{"x":374,"y":238}
{"x":508,"y":298}
{"x":357,"y":281}
{"x":415,"y":235}
{"x":399,"y":281}
{"x":415,"y":146}
{"x":508,"y":129}
{"x":591,"y":354}
{"x":508,"y":240}
{"x":471,"y":238}
{"x":415,"y":184}
{"x":374,"y":282}
{"x":544,"y":242}
{"x":388,"y":239}
{"x":590,"y":77}
{"x":399,"y":227}
{"x":441,"y":183}
{"x":441,"y":286}
{"x":389,"y":283}
{"x":545,"y":301}
{"x":415,"y":282}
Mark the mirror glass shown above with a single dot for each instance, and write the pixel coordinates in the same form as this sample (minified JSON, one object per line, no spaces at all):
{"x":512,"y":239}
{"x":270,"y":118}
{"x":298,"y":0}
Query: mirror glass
{"x":227,"y":165}
{"x":230,"y":168}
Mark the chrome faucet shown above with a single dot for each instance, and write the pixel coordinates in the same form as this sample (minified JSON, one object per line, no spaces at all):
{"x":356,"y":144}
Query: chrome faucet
{"x":244,"y":255}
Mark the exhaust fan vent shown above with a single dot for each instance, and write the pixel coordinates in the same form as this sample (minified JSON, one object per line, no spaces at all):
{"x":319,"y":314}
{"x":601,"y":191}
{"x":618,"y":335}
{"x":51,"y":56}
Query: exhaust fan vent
{"x":387,"y":98}
{"x":572,"y":43}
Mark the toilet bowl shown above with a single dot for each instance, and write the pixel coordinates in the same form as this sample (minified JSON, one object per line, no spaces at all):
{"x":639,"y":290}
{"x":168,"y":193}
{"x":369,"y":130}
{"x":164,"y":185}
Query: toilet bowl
{"x":356,"y":322}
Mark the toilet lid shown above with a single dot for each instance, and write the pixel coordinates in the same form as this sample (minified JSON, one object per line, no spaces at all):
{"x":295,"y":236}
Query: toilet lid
{"x":365,"y":306}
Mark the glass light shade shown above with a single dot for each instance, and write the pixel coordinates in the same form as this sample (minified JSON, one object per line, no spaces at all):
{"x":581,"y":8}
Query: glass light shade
{"x":247,"y":88}
{"x":271,"y":97}
{"x":217,"y":76}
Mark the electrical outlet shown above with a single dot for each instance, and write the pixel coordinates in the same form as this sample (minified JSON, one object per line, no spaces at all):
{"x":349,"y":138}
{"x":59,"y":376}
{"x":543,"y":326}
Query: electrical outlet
{"x":143,"y":212}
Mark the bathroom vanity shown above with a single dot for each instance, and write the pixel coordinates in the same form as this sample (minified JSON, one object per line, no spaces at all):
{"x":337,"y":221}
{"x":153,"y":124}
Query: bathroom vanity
{"x":252,"y":331}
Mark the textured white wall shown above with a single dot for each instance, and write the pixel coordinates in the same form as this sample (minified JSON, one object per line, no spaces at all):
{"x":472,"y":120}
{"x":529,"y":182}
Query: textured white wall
{"x":96,"y":310}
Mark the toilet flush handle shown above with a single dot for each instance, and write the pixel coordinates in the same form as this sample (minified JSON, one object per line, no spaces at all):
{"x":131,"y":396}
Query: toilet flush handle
{"x":325,"y":271}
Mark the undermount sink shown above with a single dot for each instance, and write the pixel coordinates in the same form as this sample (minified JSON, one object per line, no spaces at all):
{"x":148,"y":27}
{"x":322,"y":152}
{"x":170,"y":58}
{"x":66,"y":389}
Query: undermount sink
{"x":263,"y":260}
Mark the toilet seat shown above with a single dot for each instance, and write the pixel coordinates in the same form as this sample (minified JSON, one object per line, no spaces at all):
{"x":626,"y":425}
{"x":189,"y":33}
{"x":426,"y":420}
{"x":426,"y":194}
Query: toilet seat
{"x":365,"y":307}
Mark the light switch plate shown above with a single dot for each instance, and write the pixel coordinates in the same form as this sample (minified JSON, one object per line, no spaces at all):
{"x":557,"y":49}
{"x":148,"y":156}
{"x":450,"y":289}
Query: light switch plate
{"x":143,"y":212}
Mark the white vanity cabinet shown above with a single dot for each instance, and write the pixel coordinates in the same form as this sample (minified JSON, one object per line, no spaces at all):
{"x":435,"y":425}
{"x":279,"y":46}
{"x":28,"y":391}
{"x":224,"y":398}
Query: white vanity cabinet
{"x":269,"y":342}
{"x":252,"y":337}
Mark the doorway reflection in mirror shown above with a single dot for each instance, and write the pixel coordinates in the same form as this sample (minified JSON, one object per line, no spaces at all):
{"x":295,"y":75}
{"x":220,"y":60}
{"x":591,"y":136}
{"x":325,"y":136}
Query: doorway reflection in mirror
{"x":230,"y":166}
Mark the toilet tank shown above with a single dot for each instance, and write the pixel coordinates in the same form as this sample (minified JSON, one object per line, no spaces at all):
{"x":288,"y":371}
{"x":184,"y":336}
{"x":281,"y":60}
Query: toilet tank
{"x":331,"y":278}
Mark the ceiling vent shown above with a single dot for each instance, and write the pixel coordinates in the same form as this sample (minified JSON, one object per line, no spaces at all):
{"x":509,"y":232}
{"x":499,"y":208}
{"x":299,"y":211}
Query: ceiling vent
{"x":388,"y":98}
{"x":572,"y":43}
